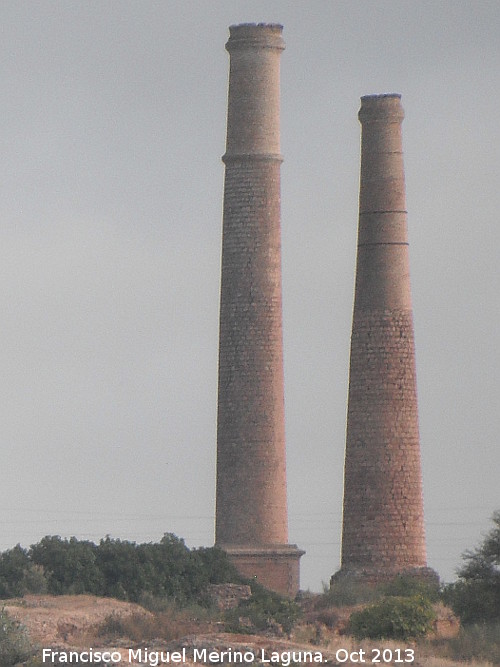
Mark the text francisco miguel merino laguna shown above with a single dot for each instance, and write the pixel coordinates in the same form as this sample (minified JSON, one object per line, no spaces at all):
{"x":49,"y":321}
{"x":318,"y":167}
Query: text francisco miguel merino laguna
{"x":202,"y":655}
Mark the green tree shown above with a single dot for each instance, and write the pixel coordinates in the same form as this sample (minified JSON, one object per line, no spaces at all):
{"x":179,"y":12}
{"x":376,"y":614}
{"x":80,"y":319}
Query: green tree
{"x":115,"y":568}
{"x":19,"y":575}
{"x":121,"y":568}
{"x":176,"y":568}
{"x":70,"y":565}
{"x":216,"y":566}
{"x":475,"y":596}
{"x":164,"y":569}
{"x":13,"y":565}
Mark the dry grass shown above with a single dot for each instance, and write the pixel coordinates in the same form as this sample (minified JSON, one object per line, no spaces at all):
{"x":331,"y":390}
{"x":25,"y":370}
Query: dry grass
{"x":165,"y":625}
{"x":65,"y":619}
{"x":432,"y":661}
{"x":476,"y":642}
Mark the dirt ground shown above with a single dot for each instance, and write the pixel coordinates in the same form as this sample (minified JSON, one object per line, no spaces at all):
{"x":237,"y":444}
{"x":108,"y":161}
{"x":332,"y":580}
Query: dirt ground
{"x":69,"y":622}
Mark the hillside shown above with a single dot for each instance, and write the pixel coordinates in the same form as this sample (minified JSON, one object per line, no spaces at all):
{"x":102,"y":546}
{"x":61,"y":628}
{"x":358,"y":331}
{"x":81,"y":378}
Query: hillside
{"x":65,"y":623}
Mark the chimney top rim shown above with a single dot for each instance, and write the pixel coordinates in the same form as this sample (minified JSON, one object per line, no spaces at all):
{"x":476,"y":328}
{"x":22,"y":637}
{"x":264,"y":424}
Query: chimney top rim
{"x":381,"y":109}
{"x":255,"y":36}
{"x":380,"y":95}
{"x":275,"y":26}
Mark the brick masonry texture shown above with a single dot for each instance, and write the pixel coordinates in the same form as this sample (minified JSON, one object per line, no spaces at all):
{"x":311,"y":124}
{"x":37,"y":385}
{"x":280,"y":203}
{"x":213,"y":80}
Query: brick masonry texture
{"x":383,"y":520}
{"x":251,"y":502}
{"x":276,"y":567}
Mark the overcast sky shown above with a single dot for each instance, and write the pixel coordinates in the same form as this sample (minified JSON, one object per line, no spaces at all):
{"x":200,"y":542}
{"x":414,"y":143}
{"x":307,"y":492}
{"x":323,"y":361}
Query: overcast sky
{"x":113,"y":124}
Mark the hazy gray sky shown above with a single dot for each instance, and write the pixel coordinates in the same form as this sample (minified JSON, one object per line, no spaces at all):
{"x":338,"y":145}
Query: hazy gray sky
{"x":113,"y":124}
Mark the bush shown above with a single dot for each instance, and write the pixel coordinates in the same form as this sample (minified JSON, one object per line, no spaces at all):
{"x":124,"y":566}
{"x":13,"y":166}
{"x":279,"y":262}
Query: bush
{"x":154,"y":603}
{"x":166,"y":625}
{"x":409,"y":586}
{"x":393,"y":618}
{"x":346,"y":592}
{"x":265,"y":610}
{"x":15,"y":646}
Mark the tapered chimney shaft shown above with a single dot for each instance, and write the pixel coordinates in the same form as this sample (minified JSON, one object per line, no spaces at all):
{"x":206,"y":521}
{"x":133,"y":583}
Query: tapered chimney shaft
{"x":383,"y":518}
{"x":251,"y":503}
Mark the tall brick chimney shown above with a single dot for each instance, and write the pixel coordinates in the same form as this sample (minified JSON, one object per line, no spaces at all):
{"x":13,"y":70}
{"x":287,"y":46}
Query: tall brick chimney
{"x":251,"y":504}
{"x":383,"y":517}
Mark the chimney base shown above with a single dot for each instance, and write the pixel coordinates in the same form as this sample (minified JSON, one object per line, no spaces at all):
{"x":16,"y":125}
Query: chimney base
{"x":371,"y":576}
{"x":273,"y":566}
